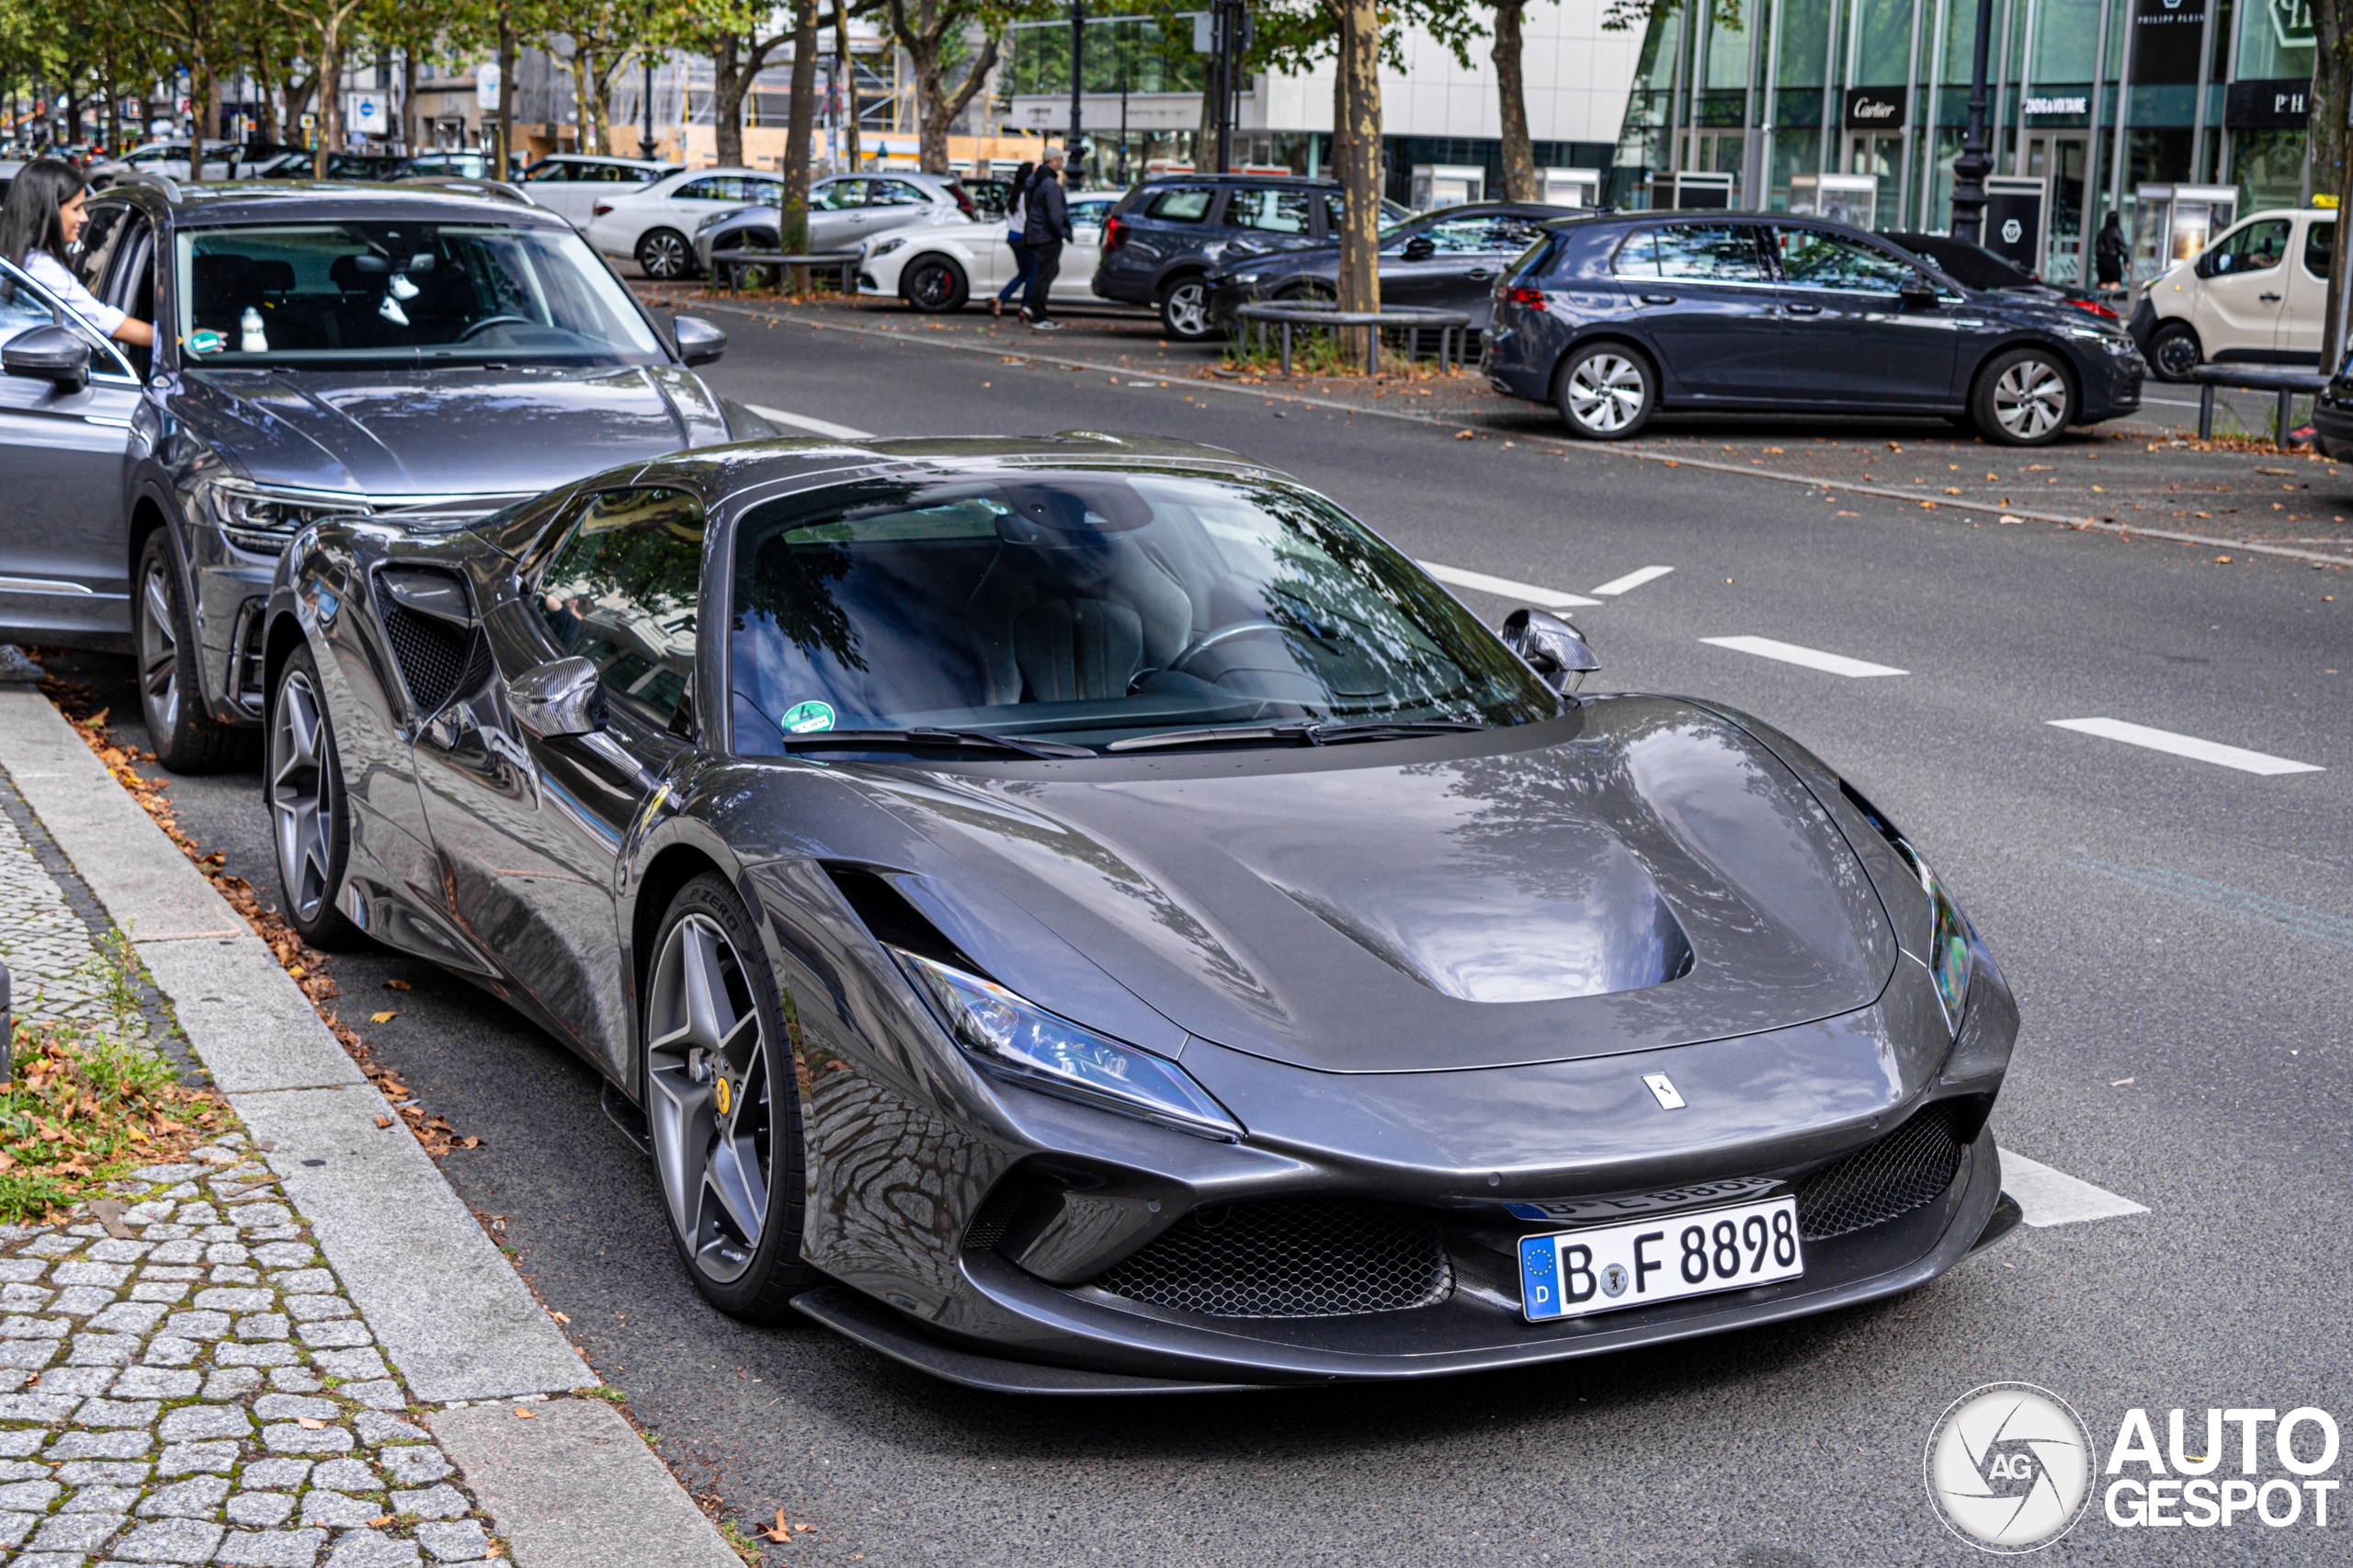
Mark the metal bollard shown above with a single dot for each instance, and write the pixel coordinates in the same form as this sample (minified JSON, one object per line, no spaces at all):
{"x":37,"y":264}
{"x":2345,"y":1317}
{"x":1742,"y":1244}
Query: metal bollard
{"x":7,"y":1030}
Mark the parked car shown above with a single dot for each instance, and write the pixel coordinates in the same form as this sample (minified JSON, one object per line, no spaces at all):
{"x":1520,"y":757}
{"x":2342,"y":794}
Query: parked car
{"x":1163,"y":238}
{"x":843,"y":209}
{"x":651,"y":224}
{"x":570,"y":184}
{"x":942,"y":264}
{"x":151,"y":492}
{"x":1617,"y":317}
{"x":1282,"y":977}
{"x":222,"y":161}
{"x":1980,"y":269}
{"x":2257,"y":293}
{"x":452,"y":163}
{"x":1447,"y":260}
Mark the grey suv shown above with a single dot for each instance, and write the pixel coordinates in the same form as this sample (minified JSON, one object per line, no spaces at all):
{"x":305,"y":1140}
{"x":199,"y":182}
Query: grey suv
{"x":320,"y":352}
{"x":1168,"y":234}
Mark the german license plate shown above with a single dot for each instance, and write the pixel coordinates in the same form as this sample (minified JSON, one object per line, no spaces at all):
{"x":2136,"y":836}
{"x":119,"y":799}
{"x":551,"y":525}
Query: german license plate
{"x":1605,"y":1267}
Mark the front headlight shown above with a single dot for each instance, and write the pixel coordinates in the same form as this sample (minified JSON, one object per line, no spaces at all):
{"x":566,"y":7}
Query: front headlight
{"x":1029,"y":1044}
{"x":884,"y":248}
{"x":1949,"y":939}
{"x":261,"y":519}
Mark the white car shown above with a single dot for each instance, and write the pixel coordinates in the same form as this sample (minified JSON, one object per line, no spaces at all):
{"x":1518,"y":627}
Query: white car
{"x":651,"y":224}
{"x":2259,"y":293}
{"x":572,"y":183}
{"x":938,"y":267}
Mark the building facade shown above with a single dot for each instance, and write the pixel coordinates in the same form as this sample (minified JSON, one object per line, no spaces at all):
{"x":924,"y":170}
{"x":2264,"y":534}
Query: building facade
{"x":2095,"y":99}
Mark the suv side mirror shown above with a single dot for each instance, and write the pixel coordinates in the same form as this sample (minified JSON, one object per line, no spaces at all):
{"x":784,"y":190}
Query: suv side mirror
{"x":1919,"y":294}
{"x":1556,"y":651}
{"x":698,"y":342}
{"x":560,"y":698}
{"x":49,"y":354}
{"x":1421,"y":247}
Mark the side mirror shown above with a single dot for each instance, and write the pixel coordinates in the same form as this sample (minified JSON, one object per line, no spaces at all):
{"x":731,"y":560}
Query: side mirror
{"x":1551,"y":647}
{"x":1421,"y":247}
{"x":698,"y":342}
{"x":2208,"y":264}
{"x":49,"y":354}
{"x":1918,"y":295}
{"x":560,"y":698}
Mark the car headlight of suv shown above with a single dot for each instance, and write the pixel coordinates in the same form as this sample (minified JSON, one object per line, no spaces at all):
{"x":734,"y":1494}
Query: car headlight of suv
{"x":261,"y":517}
{"x":884,"y":248}
{"x":1034,"y":1046}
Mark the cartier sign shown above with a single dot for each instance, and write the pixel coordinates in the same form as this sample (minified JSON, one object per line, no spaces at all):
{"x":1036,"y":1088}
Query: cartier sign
{"x":1875,"y":108}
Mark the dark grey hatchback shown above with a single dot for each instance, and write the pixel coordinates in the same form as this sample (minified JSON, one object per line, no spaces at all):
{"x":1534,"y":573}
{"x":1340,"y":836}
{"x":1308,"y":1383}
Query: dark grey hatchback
{"x":1611,"y":319}
{"x":322,"y":351}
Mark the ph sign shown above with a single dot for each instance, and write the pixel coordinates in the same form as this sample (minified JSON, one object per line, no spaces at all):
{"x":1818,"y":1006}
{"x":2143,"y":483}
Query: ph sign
{"x":1875,"y":108}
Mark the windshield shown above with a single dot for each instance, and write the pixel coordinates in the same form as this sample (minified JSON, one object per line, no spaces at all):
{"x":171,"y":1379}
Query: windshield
{"x":1095,"y":606}
{"x":402,"y":293}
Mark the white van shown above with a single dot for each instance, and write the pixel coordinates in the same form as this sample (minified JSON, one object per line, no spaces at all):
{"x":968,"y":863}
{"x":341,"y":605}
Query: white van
{"x":2258,"y":294}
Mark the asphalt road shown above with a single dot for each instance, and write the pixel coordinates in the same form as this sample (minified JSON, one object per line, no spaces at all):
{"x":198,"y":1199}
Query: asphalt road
{"x":2178,"y":932}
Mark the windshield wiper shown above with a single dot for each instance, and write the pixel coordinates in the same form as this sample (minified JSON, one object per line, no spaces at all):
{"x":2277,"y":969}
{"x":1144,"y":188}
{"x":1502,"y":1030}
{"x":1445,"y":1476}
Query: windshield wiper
{"x":982,"y":739}
{"x":1314,"y":733}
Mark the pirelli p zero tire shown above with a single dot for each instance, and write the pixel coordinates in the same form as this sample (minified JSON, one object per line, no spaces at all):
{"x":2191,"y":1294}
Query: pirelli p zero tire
{"x":723,"y":1104}
{"x":309,"y":817}
{"x":2023,"y":398}
{"x":186,"y":738}
{"x":1607,"y":392}
{"x":2173,"y":351}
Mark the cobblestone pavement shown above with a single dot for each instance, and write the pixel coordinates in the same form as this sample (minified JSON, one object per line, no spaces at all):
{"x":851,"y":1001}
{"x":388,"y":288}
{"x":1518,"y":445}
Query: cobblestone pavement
{"x":58,"y":971}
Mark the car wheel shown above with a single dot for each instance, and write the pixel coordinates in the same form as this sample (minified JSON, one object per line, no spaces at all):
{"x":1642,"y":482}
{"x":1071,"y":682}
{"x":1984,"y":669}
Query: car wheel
{"x":725,"y":1106}
{"x":1185,"y":310}
{"x":2023,"y":399}
{"x":2174,"y":352}
{"x":1606,"y":392}
{"x":934,"y":284}
{"x":662,"y":255}
{"x":310,"y":819}
{"x":171,"y":692}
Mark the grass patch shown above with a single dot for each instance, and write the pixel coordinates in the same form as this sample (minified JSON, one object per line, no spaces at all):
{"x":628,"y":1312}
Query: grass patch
{"x":1327,"y":351}
{"x":82,"y":1110}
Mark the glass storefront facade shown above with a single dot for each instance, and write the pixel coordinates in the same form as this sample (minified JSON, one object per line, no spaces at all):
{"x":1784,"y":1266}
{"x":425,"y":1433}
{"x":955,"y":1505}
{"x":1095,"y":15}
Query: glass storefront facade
{"x":2092,"y":97}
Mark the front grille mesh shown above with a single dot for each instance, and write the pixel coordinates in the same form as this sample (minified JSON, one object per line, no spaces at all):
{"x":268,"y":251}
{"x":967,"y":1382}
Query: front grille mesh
{"x":1911,"y":1166}
{"x":1295,"y":1258}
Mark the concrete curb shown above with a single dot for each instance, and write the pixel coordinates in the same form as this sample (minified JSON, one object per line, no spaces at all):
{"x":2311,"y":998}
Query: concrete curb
{"x":447,"y":1308}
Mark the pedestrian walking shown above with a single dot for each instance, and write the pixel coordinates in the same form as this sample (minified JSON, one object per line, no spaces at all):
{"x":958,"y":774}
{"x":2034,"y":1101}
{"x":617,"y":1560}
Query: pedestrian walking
{"x":1025,"y":260}
{"x":1046,"y":225}
{"x":2110,"y":253}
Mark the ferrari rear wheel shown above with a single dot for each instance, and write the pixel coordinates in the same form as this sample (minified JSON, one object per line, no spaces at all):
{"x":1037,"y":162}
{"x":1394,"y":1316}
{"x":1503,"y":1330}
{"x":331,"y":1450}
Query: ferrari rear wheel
{"x":310,"y":820}
{"x":722,"y":1101}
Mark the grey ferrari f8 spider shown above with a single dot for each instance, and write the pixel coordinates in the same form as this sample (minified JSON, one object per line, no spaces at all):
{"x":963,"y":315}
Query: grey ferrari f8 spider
{"x":1083,"y":914}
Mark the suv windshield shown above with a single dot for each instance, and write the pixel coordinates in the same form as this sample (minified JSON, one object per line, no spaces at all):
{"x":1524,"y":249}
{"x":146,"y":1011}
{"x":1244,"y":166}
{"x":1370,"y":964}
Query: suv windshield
{"x":1095,"y":606}
{"x":402,"y":293}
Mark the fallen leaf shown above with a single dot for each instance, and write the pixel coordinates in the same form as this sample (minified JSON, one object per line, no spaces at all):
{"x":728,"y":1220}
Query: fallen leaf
{"x":2222,"y":561}
{"x":1466,"y":435}
{"x":523,"y":1415}
{"x":493,"y":1550}
{"x":779,"y":1531}
{"x":2119,"y":1083}
{"x":379,"y":1522}
{"x":382,"y":1018}
{"x":560,"y":1317}
{"x":396,"y":986}
{"x":383,"y":1121}
{"x":310,"y":1423}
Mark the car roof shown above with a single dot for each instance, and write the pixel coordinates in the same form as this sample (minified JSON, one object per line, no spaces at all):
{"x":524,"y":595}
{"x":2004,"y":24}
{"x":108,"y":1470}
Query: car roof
{"x":246,"y":202}
{"x":1313,"y":181}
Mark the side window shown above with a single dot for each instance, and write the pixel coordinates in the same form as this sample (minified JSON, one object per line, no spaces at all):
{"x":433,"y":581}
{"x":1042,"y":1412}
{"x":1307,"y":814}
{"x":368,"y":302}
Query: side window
{"x":608,"y":174}
{"x":21,"y":309}
{"x":548,"y":173}
{"x":896,"y":193}
{"x":835,"y":195}
{"x":1813,"y":259}
{"x":1181,"y":204}
{"x":621,"y":593}
{"x":2254,"y":249}
{"x":1699,"y":253}
{"x":1269,"y":212}
{"x":2320,"y":247}
{"x":101,"y":237}
{"x":714,"y":187}
{"x":1335,"y":210}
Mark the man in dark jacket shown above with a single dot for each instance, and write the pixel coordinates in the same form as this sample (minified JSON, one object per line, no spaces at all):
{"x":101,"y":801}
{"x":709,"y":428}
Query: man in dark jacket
{"x":1045,"y":232}
{"x":2111,"y":253}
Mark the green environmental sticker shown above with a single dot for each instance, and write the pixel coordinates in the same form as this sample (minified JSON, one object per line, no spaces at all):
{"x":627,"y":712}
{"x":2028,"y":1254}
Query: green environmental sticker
{"x":205,"y":341}
{"x":808,"y":718}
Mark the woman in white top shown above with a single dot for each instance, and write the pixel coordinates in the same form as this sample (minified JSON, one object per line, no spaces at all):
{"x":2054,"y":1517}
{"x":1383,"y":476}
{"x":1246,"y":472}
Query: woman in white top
{"x":1025,"y":260}
{"x":42,"y":217}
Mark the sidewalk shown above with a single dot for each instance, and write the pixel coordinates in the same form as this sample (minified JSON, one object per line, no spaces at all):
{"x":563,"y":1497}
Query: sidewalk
{"x":293,"y":1348}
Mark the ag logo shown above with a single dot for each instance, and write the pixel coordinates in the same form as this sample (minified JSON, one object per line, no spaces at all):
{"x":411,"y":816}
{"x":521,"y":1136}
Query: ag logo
{"x":2012,"y":230}
{"x":2009,"y":1467}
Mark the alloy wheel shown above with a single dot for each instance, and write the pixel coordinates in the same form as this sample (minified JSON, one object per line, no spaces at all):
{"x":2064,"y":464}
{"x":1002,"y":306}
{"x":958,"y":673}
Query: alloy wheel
{"x":1605,"y":392}
{"x":2030,"y":400}
{"x":1187,"y":310}
{"x":714,"y":1130}
{"x":931,"y":286}
{"x":301,"y":795}
{"x":159,"y":651}
{"x":662,"y":255}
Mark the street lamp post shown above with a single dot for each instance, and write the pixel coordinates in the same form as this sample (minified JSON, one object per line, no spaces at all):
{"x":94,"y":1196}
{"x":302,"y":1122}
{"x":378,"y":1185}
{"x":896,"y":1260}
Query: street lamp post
{"x":1969,"y":171}
{"x":1075,"y":147}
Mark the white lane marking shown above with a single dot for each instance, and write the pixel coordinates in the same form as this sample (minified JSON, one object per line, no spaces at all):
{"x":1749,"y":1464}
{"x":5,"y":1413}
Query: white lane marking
{"x":814,"y":426}
{"x":1811,"y":658}
{"x":1616,"y":586}
{"x":1505,"y":588}
{"x":2185,"y":746}
{"x":2053,"y":1197}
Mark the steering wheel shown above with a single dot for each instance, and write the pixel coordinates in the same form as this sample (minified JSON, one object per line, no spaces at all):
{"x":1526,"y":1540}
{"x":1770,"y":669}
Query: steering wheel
{"x":1215,"y":635}
{"x":488,"y":321}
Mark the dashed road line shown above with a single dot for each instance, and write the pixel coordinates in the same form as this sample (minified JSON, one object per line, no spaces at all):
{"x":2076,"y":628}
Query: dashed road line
{"x":1632,"y":580}
{"x":2317,"y":924}
{"x":2048,"y":1198}
{"x":814,"y":426}
{"x":1505,"y":588}
{"x":2185,"y":746}
{"x":1811,"y":658}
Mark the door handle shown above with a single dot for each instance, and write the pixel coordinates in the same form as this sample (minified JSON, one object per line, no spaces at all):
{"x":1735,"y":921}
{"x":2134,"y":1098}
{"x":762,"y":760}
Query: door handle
{"x":1658,"y":299}
{"x":1802,"y":310}
{"x":2268,"y":299}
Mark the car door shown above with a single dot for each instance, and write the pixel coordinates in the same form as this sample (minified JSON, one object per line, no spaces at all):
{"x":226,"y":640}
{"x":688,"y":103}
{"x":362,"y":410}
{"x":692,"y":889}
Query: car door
{"x":1452,"y":263}
{"x":2306,"y":306}
{"x":1710,"y":306}
{"x":836,"y":206}
{"x":530,"y":830}
{"x":891,"y":204}
{"x":558,"y":187}
{"x":1851,"y":335}
{"x":63,"y":547}
{"x":2242,"y":289}
{"x":1266,"y":221}
{"x":1077,"y":280}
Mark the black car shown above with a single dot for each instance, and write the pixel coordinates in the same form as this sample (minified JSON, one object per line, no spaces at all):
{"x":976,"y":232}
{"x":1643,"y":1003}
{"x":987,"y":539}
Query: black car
{"x":320,"y":351}
{"x":1083,"y":914}
{"x":1617,"y":317}
{"x":1446,"y":260}
{"x":1162,"y":240}
{"x":1978,"y":268}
